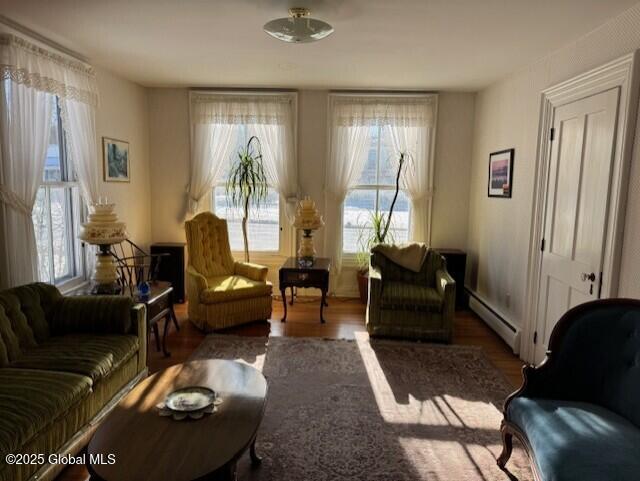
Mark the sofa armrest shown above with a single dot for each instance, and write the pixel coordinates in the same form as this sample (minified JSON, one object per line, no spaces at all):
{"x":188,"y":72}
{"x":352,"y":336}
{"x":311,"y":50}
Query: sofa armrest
{"x":139,"y":328}
{"x":375,"y":284}
{"x":375,"y":298}
{"x":92,"y":315}
{"x":446,"y":287}
{"x":255,"y":272}
{"x":198,"y":279}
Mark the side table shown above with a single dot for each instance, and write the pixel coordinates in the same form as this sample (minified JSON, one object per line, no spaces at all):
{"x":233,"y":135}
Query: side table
{"x":294,"y":274}
{"x":159,"y":303}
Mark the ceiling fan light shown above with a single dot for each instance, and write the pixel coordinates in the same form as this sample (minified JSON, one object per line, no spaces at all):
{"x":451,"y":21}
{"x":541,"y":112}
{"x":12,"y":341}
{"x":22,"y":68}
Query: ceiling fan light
{"x":298,"y":27}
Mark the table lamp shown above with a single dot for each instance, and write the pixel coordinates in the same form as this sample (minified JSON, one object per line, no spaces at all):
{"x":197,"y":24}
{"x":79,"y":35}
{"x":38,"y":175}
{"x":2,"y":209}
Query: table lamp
{"x":103,"y":230}
{"x":307,"y":220}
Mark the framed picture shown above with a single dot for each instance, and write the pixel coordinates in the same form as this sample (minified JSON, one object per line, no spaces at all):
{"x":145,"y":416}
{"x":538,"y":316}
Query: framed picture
{"x":501,"y":173}
{"x":116,"y":160}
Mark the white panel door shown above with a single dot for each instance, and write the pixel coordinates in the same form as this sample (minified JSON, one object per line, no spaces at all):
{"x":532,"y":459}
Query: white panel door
{"x":575,"y":208}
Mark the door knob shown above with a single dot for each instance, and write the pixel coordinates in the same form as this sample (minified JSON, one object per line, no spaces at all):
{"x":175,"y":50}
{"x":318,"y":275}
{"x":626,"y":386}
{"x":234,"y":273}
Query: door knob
{"x":589,"y":277}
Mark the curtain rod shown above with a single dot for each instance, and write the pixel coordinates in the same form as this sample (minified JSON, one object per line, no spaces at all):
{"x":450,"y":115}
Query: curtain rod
{"x":41,"y":38}
{"x":242,"y":89}
{"x":382,"y":92}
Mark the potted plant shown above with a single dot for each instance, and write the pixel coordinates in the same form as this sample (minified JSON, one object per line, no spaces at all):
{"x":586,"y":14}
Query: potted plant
{"x":370,"y":235}
{"x":374,"y":232}
{"x":247,"y":184}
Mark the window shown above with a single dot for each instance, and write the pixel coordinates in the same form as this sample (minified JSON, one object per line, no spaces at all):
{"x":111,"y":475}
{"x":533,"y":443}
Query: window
{"x":264,"y":222}
{"x":374,"y":192}
{"x":56,"y":214}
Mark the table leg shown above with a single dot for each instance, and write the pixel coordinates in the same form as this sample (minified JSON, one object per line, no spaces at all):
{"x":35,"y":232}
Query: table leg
{"x":323,"y":302}
{"x":156,"y":333}
{"x":255,"y":458}
{"x":167,"y":321}
{"x":175,"y":319}
{"x":283,"y":292}
{"x":293,"y":295}
{"x":228,"y":472}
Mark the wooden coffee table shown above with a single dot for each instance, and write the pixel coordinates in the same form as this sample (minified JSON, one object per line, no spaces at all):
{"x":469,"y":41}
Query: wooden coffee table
{"x":147,"y":446}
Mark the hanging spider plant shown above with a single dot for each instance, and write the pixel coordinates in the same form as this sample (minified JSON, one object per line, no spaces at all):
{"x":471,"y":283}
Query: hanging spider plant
{"x":247,"y":184}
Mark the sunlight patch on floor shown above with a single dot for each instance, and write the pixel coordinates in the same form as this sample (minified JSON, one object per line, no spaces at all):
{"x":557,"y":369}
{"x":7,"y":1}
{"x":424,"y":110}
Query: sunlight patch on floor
{"x":448,"y":460}
{"x":440,"y":410}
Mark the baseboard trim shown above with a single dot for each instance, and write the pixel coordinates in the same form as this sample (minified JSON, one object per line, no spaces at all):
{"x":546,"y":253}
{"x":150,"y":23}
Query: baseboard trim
{"x":507,"y":331}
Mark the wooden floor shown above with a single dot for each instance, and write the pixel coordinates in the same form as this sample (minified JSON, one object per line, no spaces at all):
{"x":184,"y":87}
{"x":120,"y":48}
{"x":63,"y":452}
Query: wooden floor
{"x":344,"y":316}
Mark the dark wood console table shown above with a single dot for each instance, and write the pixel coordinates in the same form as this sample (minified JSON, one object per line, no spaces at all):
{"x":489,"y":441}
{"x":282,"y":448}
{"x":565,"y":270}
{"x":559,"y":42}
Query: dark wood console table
{"x":294,"y":274}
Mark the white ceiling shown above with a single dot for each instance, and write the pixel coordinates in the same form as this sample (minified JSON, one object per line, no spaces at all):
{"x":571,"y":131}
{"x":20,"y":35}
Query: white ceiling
{"x":420,"y":44}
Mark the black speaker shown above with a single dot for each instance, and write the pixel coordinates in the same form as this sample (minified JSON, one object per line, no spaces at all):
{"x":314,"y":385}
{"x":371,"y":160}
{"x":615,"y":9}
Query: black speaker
{"x":171,"y":268}
{"x":456,"y":267}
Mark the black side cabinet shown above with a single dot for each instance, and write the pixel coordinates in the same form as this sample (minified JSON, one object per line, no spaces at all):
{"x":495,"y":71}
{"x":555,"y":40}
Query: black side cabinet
{"x":456,"y":266}
{"x":172,"y":267}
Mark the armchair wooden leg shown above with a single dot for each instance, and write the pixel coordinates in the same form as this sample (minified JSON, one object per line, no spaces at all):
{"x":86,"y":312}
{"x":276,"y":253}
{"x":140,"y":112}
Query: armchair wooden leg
{"x":507,"y":446}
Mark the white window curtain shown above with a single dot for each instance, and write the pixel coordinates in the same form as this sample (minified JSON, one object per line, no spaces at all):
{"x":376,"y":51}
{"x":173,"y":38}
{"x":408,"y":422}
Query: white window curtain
{"x":270,"y":117}
{"x":30,"y":75}
{"x":412,"y":127}
{"x":210,"y":145}
{"x":411,"y":121}
{"x":24,"y":133}
{"x":349,"y":138}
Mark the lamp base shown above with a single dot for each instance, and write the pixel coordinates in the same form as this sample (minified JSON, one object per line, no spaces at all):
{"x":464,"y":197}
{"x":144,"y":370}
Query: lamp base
{"x":106,"y":289}
{"x":105,"y":274}
{"x":307,"y":250}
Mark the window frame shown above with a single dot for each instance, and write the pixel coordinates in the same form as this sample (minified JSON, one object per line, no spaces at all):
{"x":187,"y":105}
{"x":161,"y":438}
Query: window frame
{"x":287,"y":233}
{"x":350,"y":257}
{"x":74,"y":215}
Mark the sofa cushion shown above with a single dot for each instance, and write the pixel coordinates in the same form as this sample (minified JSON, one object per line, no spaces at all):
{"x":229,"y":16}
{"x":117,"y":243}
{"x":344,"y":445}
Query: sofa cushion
{"x":4,"y":356}
{"x":92,"y":315}
{"x":231,"y":288}
{"x":19,"y":324}
{"x":31,"y":400}
{"x":575,"y":440}
{"x":600,"y":361}
{"x":92,"y":356}
{"x":36,"y":302}
{"x":9,"y":339}
{"x":405,"y":296}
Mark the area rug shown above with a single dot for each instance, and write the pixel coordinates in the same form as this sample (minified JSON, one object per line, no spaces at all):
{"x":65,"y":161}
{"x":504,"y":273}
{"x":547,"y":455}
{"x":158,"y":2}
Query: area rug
{"x":373,"y":410}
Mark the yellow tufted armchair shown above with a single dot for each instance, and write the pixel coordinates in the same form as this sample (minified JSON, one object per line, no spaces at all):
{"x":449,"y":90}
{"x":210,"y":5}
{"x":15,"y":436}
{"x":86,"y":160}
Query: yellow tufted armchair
{"x":222,"y":292}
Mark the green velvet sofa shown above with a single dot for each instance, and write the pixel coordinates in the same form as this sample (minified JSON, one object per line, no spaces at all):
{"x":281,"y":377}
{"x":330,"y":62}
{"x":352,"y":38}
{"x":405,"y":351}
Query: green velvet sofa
{"x":64,"y":362}
{"x":414,"y":305}
{"x":578,"y":413}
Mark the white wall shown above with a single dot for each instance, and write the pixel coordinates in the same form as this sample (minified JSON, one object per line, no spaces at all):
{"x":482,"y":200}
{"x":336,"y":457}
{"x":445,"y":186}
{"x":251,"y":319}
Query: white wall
{"x":169,"y":151}
{"x":506,"y":115}
{"x":123,"y":114}
{"x":454,"y":140}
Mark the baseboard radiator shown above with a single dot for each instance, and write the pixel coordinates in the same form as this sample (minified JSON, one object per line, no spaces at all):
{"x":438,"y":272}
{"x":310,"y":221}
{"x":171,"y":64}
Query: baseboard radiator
{"x":507,"y":331}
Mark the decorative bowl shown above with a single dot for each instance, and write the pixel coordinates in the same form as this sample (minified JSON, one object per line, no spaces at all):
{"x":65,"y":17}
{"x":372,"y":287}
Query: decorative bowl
{"x":190,"y":399}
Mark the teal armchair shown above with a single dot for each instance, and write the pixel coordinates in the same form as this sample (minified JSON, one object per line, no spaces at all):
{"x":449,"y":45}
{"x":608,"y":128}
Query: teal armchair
{"x":406,"y":304}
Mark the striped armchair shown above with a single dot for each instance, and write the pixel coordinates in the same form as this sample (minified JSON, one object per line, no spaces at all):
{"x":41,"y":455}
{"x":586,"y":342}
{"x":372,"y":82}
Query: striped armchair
{"x":407,"y":304}
{"x":222,"y":292}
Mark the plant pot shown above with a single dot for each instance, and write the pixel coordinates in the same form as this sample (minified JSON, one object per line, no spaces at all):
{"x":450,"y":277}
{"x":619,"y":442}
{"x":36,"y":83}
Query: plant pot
{"x":363,"y":284}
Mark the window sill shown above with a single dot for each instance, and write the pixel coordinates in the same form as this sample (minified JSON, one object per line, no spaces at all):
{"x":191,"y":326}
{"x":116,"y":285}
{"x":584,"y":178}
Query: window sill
{"x":268,"y":258}
{"x":350,"y":261}
{"x":71,"y":285}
